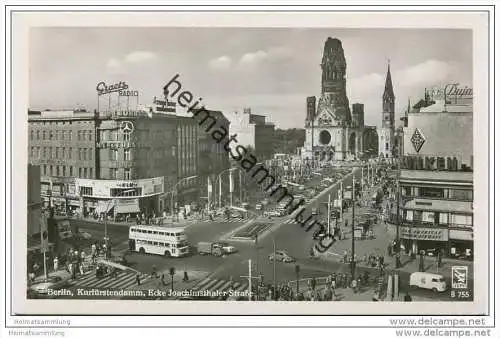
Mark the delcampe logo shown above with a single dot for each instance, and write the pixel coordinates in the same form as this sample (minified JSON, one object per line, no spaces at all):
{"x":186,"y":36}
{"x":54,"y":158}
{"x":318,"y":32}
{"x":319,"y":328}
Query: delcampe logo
{"x":459,"y":276}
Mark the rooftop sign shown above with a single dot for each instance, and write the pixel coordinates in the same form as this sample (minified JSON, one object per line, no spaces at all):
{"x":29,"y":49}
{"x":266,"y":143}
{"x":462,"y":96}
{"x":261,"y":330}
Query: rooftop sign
{"x":102,"y":88}
{"x":451,"y":91}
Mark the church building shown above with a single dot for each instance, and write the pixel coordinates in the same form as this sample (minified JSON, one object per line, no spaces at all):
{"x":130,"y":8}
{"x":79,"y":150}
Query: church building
{"x":334,"y":132}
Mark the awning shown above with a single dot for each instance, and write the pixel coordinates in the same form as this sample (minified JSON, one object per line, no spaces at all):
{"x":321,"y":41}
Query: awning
{"x":104,"y":206}
{"x":129,"y":206}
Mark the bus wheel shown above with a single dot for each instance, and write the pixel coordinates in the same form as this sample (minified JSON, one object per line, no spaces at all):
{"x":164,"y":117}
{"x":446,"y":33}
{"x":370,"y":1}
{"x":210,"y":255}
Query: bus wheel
{"x":167,"y":253}
{"x":141,"y":250}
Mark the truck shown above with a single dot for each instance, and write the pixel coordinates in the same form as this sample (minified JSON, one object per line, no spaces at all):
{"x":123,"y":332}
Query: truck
{"x":216,"y":249}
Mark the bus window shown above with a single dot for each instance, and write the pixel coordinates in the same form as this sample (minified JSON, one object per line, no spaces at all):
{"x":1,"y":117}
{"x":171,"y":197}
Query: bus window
{"x":155,"y":232}
{"x":149,"y":231}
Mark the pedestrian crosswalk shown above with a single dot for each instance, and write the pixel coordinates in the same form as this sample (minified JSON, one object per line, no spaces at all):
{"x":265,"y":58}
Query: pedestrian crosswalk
{"x":122,"y":280}
{"x":213,"y":284}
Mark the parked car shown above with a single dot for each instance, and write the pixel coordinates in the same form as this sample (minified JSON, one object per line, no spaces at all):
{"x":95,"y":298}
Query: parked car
{"x":54,"y":281}
{"x":281,"y":256}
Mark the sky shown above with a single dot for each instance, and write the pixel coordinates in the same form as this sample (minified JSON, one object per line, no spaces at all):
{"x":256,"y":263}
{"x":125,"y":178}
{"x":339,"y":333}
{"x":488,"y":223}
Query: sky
{"x":271,"y":71}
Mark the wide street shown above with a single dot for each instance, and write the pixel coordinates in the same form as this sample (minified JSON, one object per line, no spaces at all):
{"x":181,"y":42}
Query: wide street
{"x":287,"y":235}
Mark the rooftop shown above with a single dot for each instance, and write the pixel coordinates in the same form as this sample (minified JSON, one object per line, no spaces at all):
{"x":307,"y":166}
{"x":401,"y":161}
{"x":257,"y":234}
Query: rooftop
{"x":441,"y":107}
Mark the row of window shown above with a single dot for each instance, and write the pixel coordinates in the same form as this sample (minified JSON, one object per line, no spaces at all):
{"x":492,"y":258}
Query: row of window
{"x":438,"y":193}
{"x":439,"y":218}
{"x":113,"y":155}
{"x":166,"y":245}
{"x":66,"y":171}
{"x":61,"y":135}
{"x":63,"y":153}
{"x":155,"y":232}
{"x":114,"y":135}
{"x":113,"y":174}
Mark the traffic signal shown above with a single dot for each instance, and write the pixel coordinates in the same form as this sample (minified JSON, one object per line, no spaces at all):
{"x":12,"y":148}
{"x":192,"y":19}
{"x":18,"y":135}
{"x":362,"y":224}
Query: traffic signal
{"x":297,"y":268}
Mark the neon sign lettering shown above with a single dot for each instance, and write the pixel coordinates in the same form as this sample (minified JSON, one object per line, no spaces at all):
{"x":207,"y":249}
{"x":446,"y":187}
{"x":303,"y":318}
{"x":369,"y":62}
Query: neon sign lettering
{"x":102,"y":88}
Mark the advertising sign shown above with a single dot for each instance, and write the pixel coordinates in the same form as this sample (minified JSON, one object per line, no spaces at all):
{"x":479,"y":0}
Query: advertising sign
{"x":102,"y":88}
{"x":426,"y":234}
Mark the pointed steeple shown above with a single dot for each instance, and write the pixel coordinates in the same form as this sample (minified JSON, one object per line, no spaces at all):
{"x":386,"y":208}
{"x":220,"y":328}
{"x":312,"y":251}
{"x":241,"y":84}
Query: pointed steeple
{"x":388,"y":91}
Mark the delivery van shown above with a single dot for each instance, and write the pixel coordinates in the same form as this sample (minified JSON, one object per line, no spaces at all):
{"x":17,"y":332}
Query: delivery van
{"x":425,"y":280}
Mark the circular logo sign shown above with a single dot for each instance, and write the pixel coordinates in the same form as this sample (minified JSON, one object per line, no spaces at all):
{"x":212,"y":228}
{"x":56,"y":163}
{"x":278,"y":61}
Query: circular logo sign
{"x":127,"y":127}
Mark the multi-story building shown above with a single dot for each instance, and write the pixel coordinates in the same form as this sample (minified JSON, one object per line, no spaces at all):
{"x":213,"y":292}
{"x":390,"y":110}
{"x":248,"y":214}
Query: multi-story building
{"x":253,"y":132}
{"x":34,"y":200}
{"x":89,"y":159}
{"x":436,"y":180}
{"x":63,"y":144}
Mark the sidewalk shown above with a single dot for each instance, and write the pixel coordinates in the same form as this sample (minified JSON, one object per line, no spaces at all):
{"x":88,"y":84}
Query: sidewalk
{"x":155,"y":283}
{"x":384,"y":236}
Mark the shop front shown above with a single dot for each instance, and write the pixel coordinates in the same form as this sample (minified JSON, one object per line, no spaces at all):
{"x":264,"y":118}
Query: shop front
{"x":461,"y":244}
{"x":430,"y":240}
{"x":116,"y":197}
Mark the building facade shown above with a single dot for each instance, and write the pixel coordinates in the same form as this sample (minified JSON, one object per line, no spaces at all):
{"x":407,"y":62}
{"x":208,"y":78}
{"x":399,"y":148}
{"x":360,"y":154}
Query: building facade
{"x":252,"y":131}
{"x":333,"y":133}
{"x":436,"y":180}
{"x":96,"y":162}
{"x":35,"y":202}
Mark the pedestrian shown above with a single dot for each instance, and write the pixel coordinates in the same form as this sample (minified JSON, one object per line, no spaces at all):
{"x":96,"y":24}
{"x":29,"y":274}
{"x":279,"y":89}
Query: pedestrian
{"x":153,"y":271}
{"x":81,"y":269}
{"x":354,"y":285}
{"x":56,"y":263}
{"x":82,"y":256}
{"x":407,"y":297}
{"x":70,"y":268}
{"x":186,"y":278}
{"x":138,"y":279}
{"x":313,"y":283}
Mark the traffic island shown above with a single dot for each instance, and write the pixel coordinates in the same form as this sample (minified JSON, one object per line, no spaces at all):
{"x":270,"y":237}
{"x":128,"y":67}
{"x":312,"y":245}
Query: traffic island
{"x":250,"y":231}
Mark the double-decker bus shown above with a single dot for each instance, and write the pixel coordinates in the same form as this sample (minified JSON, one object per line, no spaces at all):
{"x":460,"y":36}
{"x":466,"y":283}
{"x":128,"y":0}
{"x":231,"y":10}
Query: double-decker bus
{"x":158,"y":240}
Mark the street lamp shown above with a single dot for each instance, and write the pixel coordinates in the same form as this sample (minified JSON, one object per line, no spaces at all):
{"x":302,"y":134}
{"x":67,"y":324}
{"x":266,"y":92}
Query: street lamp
{"x":106,"y":239}
{"x":220,"y":184}
{"x":174,"y":192}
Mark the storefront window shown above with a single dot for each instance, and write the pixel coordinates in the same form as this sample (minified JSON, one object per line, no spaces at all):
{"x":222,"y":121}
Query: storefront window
{"x":461,"y":194}
{"x":443,"y":218}
{"x":127,"y":173}
{"x":409,"y":215}
{"x":406,"y":191}
{"x":432,"y":192}
{"x":459,"y":220}
{"x":417,"y":216}
{"x":428,"y":217}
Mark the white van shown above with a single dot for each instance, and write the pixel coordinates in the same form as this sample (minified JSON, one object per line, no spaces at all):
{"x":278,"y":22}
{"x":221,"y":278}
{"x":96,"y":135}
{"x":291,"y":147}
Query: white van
{"x":429,"y":281}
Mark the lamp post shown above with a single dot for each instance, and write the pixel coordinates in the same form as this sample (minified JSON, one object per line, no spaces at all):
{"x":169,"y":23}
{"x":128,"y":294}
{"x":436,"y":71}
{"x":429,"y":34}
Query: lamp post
{"x":106,"y":239}
{"x":220,"y":183}
{"x":398,"y":199}
{"x":174,"y":192}
{"x":274,"y":268}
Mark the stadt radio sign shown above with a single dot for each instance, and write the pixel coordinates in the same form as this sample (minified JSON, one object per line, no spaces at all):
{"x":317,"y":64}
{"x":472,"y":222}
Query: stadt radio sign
{"x":120,"y":87}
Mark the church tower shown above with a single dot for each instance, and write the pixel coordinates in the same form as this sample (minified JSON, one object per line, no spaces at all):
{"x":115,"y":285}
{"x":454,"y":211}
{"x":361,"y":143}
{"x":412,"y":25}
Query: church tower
{"x":386,"y":132}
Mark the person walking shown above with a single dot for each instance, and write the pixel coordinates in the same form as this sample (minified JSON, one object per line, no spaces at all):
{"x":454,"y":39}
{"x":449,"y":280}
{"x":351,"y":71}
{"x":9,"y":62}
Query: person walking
{"x":138,"y":279}
{"x":56,"y":263}
{"x":354,"y":285}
